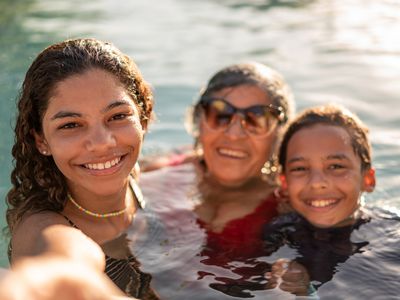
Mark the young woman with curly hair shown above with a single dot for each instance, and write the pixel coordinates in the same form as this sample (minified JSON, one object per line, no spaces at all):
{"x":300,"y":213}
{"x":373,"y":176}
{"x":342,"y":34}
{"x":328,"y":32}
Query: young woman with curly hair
{"x":82,"y":113}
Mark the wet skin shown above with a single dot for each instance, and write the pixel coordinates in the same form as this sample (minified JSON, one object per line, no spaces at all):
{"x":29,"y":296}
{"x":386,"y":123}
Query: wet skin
{"x":324,"y":177}
{"x":92,"y":130}
{"x":232,"y":155}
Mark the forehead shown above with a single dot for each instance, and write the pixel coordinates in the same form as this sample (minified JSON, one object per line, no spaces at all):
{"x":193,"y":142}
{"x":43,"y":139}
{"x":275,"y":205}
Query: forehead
{"x":320,"y":140}
{"x":244,"y":95}
{"x":91,"y":90}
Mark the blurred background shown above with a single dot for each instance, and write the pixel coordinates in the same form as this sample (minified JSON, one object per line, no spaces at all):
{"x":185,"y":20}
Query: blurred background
{"x":346,"y":52}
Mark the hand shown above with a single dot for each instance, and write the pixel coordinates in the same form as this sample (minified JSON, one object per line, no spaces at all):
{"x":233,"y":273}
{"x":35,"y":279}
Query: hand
{"x":289,"y":276}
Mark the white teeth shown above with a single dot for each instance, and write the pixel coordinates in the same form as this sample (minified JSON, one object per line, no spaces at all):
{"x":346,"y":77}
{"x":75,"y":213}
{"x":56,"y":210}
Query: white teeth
{"x":105,"y":165}
{"x":322,"y":203}
{"x":232,"y":153}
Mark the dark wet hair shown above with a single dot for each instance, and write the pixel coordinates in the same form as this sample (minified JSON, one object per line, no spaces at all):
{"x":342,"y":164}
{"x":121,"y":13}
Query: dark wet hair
{"x":37,"y":183}
{"x":334,"y":115}
{"x":251,"y":73}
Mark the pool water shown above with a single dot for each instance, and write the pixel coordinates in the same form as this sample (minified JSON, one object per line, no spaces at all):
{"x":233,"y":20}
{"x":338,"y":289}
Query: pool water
{"x":328,"y":50}
{"x":186,"y":263}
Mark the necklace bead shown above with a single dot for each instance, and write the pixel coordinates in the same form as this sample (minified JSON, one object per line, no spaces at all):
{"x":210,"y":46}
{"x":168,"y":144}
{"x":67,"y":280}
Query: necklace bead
{"x":97,"y":215}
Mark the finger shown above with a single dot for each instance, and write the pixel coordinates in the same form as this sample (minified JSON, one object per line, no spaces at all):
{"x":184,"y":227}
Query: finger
{"x":280,"y":267}
{"x":299,"y":289}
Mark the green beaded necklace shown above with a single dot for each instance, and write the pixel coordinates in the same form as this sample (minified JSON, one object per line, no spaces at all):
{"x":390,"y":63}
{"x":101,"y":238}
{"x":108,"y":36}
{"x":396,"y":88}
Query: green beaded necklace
{"x":93,"y":214}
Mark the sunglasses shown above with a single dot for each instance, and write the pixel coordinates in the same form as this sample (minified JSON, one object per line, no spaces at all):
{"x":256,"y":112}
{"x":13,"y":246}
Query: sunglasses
{"x":257,"y":119}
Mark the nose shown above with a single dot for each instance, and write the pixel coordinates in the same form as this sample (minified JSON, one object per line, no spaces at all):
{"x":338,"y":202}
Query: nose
{"x":318,"y":179}
{"x":100,"y":138}
{"x":235,"y":129}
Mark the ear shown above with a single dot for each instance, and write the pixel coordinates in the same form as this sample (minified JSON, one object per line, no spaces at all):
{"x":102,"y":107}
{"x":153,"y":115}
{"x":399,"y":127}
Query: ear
{"x":282,"y":195}
{"x":369,"y":180}
{"x":41,"y":143}
{"x":282,"y":179}
{"x":144,"y":124}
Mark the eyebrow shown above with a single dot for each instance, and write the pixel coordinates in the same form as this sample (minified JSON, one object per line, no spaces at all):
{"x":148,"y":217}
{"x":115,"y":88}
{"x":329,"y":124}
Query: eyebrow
{"x":296,"y":159}
{"x":339,"y":156}
{"x":116,"y":104}
{"x":66,"y":114}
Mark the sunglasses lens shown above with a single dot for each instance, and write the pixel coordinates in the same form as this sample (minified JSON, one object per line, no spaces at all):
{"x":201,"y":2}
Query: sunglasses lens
{"x":257,"y":119}
{"x":218,"y":114}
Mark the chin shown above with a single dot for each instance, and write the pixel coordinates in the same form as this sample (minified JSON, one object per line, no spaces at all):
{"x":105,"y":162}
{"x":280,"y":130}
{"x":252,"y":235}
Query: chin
{"x":231,"y":182}
{"x":321,"y":225}
{"x":325,"y":224}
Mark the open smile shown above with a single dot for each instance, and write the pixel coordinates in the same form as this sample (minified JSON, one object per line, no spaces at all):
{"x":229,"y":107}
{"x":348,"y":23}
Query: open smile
{"x":103,"y":165}
{"x":322,"y":203}
{"x":231,"y":153}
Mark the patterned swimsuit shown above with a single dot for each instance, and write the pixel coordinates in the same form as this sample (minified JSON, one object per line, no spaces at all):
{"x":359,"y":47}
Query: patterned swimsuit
{"x":125,"y":271}
{"x":126,"y":274}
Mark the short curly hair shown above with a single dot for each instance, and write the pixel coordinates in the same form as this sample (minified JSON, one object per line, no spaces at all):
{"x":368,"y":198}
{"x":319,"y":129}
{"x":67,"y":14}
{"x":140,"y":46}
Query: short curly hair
{"x":37,"y":184}
{"x":335,"y":115}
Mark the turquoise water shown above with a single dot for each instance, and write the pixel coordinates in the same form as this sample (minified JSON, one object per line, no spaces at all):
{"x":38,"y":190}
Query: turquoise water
{"x":188,"y":263}
{"x":329,"y":50}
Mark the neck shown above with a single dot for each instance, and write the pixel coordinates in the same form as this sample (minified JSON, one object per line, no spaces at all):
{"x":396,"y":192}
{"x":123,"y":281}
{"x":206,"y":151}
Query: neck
{"x":351,"y":219}
{"x":101,"y":206}
{"x":253,"y":190}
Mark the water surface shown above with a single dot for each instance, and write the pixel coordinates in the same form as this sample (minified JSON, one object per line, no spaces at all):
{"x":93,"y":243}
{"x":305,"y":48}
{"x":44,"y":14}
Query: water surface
{"x":329,"y":50}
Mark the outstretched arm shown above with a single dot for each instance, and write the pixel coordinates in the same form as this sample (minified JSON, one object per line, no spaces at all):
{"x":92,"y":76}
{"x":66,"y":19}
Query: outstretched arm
{"x":46,"y":277}
{"x":51,"y":260}
{"x":49,"y":234}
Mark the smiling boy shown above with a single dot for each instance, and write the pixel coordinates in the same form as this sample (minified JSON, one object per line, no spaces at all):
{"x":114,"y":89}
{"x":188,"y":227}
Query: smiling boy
{"x":326,"y":165}
{"x":325,"y":155}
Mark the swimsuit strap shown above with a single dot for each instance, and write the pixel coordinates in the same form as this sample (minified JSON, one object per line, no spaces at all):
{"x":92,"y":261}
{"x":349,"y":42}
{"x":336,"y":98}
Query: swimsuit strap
{"x":69,"y":221}
{"x":137,"y":193}
{"x":9,"y":248}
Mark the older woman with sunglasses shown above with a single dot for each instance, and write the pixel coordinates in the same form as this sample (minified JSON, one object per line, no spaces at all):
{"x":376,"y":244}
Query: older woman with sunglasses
{"x":237,"y":124}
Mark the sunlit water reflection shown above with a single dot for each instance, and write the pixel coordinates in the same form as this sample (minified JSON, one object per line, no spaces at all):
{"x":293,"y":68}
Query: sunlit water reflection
{"x":329,"y":50}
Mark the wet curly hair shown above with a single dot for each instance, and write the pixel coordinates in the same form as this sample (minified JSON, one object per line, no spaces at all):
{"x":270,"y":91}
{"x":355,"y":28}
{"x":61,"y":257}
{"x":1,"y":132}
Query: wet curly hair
{"x":334,"y":115}
{"x":248,"y":73}
{"x":37,"y":184}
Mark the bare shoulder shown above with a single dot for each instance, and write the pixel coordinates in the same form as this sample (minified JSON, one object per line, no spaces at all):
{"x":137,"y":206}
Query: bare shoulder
{"x":50,"y":233}
{"x":27,"y":237}
{"x":36,"y":222}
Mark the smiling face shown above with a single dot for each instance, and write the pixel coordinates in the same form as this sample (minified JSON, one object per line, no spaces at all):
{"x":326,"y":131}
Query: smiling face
{"x":323,"y":175}
{"x":92,"y":130}
{"x":231,"y":154}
